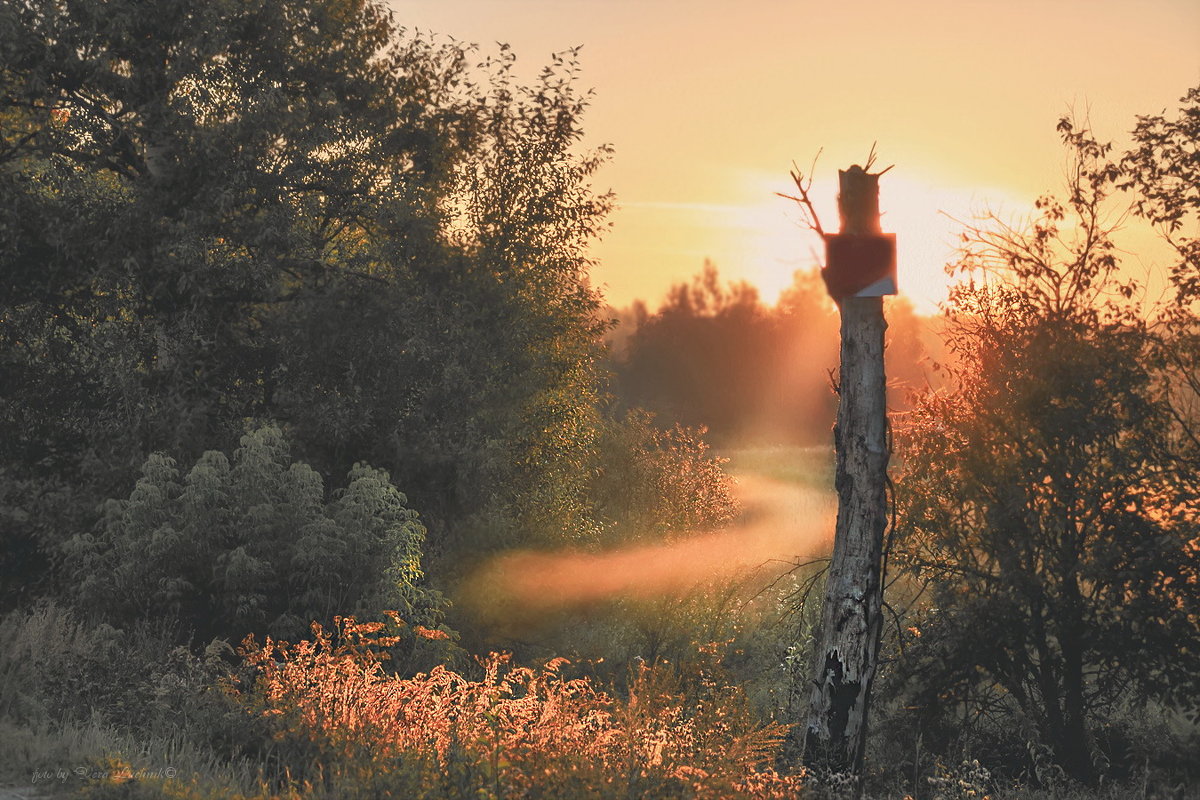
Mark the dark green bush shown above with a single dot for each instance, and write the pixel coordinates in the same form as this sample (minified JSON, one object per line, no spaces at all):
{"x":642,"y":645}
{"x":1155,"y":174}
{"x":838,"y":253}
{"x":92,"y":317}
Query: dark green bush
{"x":253,"y":544}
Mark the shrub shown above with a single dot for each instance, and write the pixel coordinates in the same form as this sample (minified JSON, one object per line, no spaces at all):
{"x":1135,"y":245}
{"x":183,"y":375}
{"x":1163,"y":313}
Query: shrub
{"x":650,"y":482}
{"x":31,"y":644}
{"x":252,"y":544}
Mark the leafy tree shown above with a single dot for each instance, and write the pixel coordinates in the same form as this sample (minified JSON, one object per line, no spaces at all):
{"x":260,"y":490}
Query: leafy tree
{"x":172,"y":172}
{"x":1163,"y":171}
{"x":1038,"y":503}
{"x":170,"y":180}
{"x":295,"y":211}
{"x":472,"y":370}
{"x":252,"y":544}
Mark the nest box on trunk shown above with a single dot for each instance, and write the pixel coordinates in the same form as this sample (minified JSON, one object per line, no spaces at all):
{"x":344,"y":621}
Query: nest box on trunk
{"x":860,"y":260}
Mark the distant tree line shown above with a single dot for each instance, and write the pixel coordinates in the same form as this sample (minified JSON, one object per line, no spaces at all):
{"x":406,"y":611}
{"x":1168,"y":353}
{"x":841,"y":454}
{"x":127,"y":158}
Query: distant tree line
{"x":714,"y":355}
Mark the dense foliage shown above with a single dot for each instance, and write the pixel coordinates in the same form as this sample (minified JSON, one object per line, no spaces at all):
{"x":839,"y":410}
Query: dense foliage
{"x":290,"y":211}
{"x":1041,"y":499}
{"x":251,"y":544}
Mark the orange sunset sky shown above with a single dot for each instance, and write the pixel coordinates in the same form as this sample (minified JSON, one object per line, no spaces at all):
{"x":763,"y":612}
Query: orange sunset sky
{"x":708,"y":103}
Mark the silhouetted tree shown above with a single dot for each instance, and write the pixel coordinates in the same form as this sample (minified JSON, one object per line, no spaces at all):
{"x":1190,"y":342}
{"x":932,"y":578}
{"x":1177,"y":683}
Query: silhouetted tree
{"x":1163,"y":169}
{"x":1037,"y":501}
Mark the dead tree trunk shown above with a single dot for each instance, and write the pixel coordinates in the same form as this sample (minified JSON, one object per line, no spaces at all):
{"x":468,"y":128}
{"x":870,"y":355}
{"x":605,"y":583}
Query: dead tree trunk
{"x":847,"y":643}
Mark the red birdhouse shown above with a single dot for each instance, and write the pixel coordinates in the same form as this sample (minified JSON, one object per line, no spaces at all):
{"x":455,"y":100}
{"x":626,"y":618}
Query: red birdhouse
{"x":860,"y":265}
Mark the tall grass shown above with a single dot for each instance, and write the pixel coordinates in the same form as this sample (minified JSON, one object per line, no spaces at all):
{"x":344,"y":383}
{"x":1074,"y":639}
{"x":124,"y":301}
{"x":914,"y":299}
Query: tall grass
{"x":325,"y":718}
{"x":80,"y":702}
{"x":509,"y":731}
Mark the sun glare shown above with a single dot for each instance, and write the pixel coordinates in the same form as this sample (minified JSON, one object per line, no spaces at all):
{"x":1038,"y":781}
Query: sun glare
{"x":927,"y":219}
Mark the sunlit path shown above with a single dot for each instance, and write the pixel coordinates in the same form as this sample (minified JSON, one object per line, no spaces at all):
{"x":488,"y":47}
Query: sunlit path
{"x":782,"y":519}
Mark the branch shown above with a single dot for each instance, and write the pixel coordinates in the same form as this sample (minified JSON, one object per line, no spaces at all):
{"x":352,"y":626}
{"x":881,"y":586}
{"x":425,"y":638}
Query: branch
{"x":796,"y":565}
{"x":871,"y":161}
{"x":896,"y":617}
{"x":803,"y":185}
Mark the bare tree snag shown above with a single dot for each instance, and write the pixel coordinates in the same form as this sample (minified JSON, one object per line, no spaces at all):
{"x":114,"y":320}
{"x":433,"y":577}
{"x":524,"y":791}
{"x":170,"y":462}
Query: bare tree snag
{"x":847,"y":643}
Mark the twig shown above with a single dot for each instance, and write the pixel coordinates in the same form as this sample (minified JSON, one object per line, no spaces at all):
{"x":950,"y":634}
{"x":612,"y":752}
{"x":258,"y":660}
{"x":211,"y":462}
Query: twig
{"x":871,"y":161}
{"x":796,"y":565}
{"x":803,"y":185}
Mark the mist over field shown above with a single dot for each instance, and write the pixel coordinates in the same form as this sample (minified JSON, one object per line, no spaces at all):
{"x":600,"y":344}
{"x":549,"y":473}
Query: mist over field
{"x":780,"y":523}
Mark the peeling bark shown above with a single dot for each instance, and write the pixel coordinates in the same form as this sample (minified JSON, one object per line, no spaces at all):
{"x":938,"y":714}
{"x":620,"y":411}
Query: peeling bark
{"x":852,"y":620}
{"x":846,"y":656}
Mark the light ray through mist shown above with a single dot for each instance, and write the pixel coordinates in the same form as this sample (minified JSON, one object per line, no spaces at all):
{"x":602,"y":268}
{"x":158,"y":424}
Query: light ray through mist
{"x":781,"y":523}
